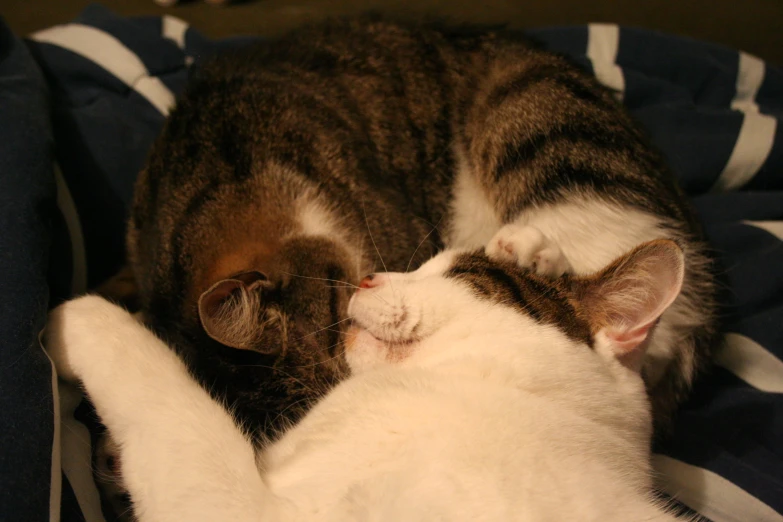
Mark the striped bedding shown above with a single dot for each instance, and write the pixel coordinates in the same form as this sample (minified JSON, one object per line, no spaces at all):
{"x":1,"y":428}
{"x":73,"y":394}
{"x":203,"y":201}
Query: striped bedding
{"x":81,"y":103}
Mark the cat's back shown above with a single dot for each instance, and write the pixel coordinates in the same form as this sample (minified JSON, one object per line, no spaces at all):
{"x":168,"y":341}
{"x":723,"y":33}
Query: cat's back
{"x":366,"y":80}
{"x":418,"y":445}
{"x":355,"y":110}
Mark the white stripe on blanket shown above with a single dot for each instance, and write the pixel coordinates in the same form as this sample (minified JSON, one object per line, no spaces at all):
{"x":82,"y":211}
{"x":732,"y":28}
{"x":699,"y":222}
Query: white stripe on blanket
{"x":709,"y":494}
{"x":76,"y":454}
{"x":603,"y":41}
{"x":751,"y":362}
{"x":773,"y":227}
{"x":73,"y":223}
{"x":174,"y":29}
{"x":109,"y":53}
{"x":757,"y":134}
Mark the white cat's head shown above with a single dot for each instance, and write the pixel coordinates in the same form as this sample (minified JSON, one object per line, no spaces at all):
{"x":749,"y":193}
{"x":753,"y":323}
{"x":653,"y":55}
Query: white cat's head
{"x":461,"y":302}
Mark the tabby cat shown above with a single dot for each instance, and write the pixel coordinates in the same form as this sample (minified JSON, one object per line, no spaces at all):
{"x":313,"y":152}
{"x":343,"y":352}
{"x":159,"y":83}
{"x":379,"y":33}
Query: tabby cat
{"x":291,"y":168}
{"x":480,"y":391}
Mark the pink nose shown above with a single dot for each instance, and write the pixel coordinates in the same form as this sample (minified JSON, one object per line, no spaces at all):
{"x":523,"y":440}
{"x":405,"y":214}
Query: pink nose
{"x":370,"y":281}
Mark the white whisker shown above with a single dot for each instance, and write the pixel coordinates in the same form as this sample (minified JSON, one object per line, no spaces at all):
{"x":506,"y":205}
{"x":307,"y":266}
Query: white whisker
{"x":367,"y":222}
{"x":346,"y":283}
{"x":327,"y":327}
{"x":433,"y":229}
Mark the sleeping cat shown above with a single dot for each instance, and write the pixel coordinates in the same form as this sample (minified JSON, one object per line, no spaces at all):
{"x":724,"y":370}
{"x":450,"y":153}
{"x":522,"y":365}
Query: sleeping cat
{"x":479,"y":391}
{"x":290,"y":168}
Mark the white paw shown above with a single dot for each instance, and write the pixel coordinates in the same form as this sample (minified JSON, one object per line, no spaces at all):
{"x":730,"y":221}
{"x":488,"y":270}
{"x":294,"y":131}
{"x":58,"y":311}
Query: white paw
{"x":529,"y":248}
{"x":71,"y":330}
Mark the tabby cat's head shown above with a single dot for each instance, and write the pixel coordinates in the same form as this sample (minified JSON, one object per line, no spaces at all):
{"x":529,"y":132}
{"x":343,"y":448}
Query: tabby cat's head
{"x":273,"y":334}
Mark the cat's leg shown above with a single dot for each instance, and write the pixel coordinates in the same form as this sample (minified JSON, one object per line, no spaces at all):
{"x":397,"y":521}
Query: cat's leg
{"x":182,"y":456}
{"x":528,"y":247}
{"x":121,"y":288}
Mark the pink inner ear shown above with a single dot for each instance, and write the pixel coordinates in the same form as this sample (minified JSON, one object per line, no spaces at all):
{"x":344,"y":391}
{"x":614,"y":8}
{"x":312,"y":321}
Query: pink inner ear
{"x":629,"y":347}
{"x":637,"y":294}
{"x":627,"y":340}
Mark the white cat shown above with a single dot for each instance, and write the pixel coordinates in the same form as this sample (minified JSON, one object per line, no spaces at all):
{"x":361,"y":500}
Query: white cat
{"x":480,"y":391}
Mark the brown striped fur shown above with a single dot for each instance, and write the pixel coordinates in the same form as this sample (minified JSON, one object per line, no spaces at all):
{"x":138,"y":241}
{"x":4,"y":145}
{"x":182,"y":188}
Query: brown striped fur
{"x":579,"y":306}
{"x":545,"y":300}
{"x":365,"y":118}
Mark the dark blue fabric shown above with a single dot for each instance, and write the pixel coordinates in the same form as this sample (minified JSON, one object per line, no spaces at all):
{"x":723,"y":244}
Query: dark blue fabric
{"x":728,"y":426}
{"x":770,"y":177}
{"x":27,"y":203}
{"x":104,"y":130}
{"x":680,"y":89}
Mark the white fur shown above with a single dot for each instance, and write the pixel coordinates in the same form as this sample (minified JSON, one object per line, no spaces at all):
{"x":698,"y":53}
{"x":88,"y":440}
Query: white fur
{"x":527,"y":246}
{"x":459,"y":409}
{"x":590,"y":233}
{"x":315,"y":219}
{"x":474,"y":219}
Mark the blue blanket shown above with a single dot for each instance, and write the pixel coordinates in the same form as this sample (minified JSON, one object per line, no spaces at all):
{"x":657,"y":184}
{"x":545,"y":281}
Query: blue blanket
{"x":110,"y":82}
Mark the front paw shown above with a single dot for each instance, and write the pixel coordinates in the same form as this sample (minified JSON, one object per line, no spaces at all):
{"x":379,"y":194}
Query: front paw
{"x":530,"y":248}
{"x":73,"y":330}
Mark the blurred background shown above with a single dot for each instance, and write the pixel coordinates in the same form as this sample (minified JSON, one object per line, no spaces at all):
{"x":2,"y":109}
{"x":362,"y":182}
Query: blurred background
{"x":754,"y":26}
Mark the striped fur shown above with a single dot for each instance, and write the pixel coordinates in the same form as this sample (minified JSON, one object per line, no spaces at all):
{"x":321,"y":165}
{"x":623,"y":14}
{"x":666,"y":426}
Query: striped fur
{"x":545,"y":300}
{"x":399,"y":139}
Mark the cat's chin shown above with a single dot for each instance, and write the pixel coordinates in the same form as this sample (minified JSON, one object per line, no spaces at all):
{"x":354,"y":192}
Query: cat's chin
{"x":364,"y":351}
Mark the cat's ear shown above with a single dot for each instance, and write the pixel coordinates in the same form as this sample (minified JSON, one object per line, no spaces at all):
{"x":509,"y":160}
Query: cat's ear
{"x":230,"y":310}
{"x":625,"y":300}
